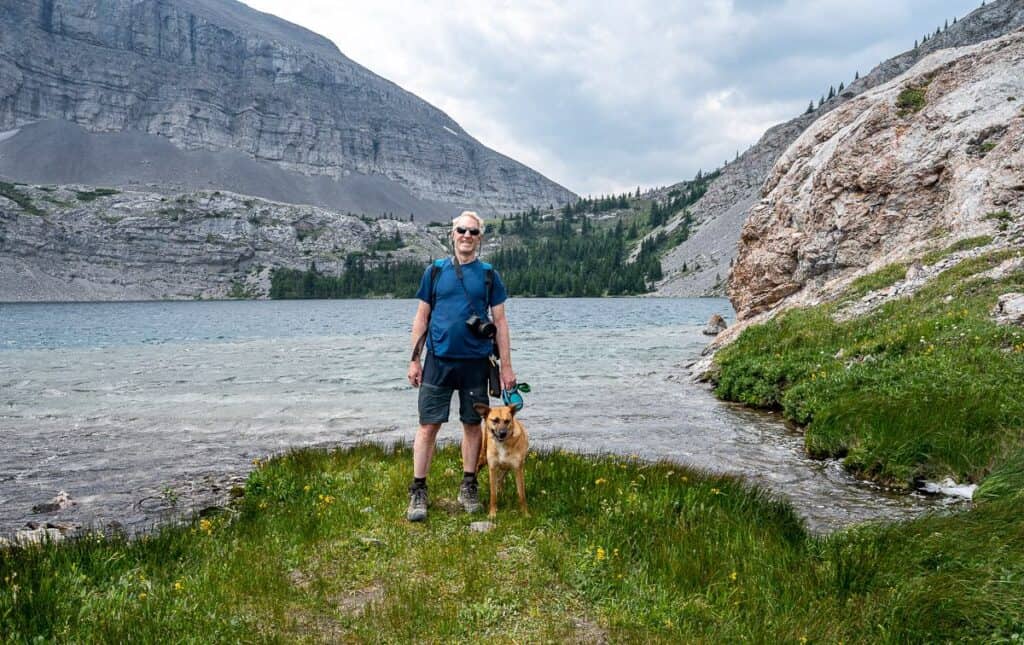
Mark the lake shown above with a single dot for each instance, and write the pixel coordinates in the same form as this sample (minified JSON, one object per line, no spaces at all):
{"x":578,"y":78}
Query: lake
{"x":143,"y":410}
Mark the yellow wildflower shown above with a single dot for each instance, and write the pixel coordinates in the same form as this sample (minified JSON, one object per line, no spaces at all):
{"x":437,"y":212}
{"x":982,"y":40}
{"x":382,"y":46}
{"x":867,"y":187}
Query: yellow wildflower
{"x":600,"y":555}
{"x":307,"y":488}
{"x":599,"y":481}
{"x":179,"y":585}
{"x":143,"y":596}
{"x":206,"y":525}
{"x":732,"y":576}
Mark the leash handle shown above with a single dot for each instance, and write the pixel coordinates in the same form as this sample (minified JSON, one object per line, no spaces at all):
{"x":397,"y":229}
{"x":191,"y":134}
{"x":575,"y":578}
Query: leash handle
{"x":513,"y":397}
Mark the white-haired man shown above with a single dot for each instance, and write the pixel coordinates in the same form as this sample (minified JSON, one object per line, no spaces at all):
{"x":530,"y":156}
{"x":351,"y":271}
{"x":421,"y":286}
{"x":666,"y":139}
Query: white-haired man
{"x":452,"y":292}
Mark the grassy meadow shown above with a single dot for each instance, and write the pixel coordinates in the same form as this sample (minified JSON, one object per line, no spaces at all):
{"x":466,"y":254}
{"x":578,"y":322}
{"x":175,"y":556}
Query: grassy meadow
{"x":616,"y":550}
{"x":925,"y":387}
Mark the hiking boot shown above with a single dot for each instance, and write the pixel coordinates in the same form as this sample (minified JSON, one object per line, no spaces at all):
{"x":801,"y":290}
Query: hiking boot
{"x":417,"y":511}
{"x":469,"y":497}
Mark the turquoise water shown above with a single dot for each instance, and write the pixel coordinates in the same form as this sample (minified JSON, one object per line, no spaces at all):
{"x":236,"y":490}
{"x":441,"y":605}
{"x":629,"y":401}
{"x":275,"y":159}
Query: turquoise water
{"x":127,"y":406}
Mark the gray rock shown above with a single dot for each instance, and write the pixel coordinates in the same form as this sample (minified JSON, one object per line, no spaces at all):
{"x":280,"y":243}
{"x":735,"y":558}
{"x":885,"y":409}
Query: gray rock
{"x":716,"y":325}
{"x":37,"y":536}
{"x":37,"y":533}
{"x":481,"y":527}
{"x":146,"y":245}
{"x":1009,"y":310}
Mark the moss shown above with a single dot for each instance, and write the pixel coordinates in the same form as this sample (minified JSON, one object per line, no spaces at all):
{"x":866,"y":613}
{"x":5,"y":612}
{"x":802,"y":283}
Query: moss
{"x":912,"y":99}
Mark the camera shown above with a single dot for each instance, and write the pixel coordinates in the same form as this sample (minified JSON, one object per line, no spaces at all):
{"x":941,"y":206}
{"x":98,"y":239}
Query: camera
{"x":481,"y":328}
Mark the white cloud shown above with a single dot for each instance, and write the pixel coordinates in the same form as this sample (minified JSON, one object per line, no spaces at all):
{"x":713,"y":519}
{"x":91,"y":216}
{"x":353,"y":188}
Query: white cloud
{"x":608,"y":96}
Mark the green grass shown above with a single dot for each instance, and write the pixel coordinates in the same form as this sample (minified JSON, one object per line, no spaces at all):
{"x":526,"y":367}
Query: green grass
{"x":317,"y":550}
{"x":1002,"y":218}
{"x":884,"y":277}
{"x":960,"y":245}
{"x":91,"y":195}
{"x":11,"y":192}
{"x":923,"y":387}
{"x":911,"y":99}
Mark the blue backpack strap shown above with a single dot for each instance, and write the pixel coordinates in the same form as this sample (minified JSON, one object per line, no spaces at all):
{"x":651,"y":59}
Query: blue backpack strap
{"x":488,"y":281}
{"x":435,"y":272}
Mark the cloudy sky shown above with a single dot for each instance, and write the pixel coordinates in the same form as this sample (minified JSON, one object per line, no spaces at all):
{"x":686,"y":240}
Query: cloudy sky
{"x":608,"y":96}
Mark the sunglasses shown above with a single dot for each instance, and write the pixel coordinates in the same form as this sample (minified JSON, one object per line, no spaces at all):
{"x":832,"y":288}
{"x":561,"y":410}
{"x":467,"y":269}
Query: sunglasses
{"x":472,"y":231}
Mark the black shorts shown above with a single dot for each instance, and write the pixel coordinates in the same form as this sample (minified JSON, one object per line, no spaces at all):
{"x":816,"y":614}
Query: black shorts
{"x":441,"y":377}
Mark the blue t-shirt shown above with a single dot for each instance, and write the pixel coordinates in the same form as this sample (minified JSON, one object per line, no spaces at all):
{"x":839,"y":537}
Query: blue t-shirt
{"x":449,"y":335}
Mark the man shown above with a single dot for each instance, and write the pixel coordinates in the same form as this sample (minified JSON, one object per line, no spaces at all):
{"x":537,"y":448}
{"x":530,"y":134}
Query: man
{"x":456,"y":356}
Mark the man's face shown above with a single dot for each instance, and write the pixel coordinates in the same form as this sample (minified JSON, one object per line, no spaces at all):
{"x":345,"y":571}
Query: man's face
{"x":466,"y":242}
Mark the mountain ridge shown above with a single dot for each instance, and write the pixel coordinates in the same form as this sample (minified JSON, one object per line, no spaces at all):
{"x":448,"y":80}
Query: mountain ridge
{"x":217,"y":75}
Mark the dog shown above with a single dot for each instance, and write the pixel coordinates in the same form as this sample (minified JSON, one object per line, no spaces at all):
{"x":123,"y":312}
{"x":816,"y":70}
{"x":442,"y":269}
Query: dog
{"x":503,"y":448}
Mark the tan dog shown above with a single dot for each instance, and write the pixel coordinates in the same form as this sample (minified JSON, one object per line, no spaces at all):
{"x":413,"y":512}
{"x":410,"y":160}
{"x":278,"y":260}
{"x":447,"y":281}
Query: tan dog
{"x":503,"y":448}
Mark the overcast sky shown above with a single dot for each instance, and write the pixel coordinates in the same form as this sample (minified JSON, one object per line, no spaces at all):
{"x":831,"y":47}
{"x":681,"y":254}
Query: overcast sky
{"x":608,"y":96}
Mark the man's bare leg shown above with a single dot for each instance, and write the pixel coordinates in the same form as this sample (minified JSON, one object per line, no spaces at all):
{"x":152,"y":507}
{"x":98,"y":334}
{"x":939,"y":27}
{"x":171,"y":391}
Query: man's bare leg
{"x":470,"y":446}
{"x":423,"y":448}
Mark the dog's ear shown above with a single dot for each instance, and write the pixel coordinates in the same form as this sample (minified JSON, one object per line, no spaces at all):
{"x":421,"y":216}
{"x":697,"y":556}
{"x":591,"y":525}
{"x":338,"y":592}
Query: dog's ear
{"x":481,"y":409}
{"x":512,"y":411}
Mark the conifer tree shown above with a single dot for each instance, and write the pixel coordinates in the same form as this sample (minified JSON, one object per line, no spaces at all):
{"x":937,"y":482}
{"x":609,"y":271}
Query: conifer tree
{"x":831,"y":92}
{"x":841,"y":87}
{"x":810,"y":107}
{"x":856,"y":75}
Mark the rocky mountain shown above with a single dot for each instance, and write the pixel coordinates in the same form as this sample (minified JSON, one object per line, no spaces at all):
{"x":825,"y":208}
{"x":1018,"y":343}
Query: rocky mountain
{"x":931,"y":160}
{"x":73,"y":243}
{"x":183,"y":95}
{"x":720,"y":214}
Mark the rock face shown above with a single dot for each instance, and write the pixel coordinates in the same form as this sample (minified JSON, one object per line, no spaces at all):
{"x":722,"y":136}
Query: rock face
{"x":933,"y":156}
{"x":76,"y":243}
{"x":1009,"y":310}
{"x":720,"y":214}
{"x":217,"y":76}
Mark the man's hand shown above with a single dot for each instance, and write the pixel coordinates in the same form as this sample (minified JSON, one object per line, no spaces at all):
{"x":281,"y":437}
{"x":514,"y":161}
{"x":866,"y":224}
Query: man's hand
{"x":508,"y":377}
{"x":415,"y":374}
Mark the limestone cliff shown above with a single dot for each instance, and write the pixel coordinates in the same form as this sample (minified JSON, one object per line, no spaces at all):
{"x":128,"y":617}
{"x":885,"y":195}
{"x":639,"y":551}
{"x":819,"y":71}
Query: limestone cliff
{"x":218,"y":77}
{"x":72,"y":243}
{"x":933,"y":156}
{"x":720,"y":214}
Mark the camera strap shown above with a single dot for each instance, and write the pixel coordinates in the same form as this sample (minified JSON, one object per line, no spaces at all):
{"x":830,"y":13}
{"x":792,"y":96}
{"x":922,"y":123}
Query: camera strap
{"x":469,"y":298}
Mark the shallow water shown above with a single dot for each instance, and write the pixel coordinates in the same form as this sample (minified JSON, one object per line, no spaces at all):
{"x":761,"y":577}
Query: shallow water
{"x":128,"y":406}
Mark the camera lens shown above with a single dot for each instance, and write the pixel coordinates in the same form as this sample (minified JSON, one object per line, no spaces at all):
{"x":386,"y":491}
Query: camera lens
{"x":488,"y":329}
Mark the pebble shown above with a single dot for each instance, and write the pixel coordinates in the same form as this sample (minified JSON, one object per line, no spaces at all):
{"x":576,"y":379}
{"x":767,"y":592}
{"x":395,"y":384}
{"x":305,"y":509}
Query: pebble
{"x":481,"y":527}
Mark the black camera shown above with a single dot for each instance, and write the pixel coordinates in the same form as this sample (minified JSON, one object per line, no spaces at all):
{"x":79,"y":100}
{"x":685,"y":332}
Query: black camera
{"x":481,"y":328}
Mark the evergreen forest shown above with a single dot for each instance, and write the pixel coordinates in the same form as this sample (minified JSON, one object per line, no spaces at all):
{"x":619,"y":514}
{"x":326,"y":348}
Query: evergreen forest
{"x":568,"y":252}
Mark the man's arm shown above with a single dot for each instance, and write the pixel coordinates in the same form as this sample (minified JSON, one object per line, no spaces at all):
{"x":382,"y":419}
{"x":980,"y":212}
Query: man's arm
{"x":508,"y":375}
{"x":419,"y":327}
